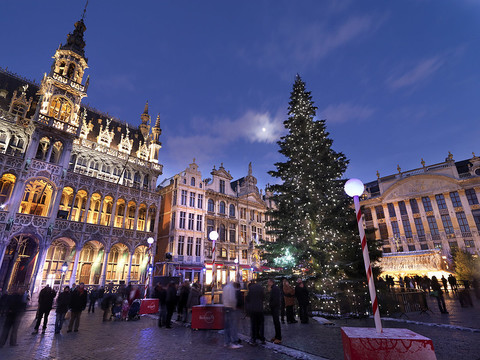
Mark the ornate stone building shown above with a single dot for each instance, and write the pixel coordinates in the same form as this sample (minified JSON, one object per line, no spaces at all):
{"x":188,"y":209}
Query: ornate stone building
{"x":77,"y":187}
{"x":422,"y":214}
{"x":192,"y":208}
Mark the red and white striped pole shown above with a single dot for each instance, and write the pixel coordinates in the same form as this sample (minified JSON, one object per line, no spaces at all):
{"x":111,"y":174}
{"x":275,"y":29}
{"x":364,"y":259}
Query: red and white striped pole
{"x":149,"y":277}
{"x":213,"y":236}
{"x":355,"y":188}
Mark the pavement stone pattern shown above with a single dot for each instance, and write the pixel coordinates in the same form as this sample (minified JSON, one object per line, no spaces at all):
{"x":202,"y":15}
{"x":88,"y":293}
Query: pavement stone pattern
{"x":142,"y":339}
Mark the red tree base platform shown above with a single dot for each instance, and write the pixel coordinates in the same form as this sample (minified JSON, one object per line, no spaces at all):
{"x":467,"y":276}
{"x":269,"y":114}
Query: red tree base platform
{"x":391,"y":344}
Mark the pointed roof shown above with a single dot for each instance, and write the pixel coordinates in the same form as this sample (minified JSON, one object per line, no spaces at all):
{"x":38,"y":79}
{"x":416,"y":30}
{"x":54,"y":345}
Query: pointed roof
{"x":75,"y":41}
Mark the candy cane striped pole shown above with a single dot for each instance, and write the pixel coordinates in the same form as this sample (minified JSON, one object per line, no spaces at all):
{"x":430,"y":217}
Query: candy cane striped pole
{"x":368,"y":268}
{"x":214,"y":272}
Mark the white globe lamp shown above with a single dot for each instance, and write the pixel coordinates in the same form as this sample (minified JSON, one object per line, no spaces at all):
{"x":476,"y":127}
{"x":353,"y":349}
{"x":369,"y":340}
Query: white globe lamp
{"x":213,"y":235}
{"x":354,"y":187}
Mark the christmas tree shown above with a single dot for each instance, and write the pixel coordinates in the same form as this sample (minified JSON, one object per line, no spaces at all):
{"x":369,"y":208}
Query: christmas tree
{"x":313,"y":222}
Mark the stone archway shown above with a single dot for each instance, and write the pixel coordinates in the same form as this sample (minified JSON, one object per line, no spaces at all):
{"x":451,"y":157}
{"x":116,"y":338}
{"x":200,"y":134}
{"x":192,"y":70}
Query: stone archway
{"x":19,"y":262}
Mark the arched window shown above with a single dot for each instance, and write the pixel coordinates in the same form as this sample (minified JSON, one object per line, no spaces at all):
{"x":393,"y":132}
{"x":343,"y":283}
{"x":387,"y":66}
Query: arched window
{"x":6,"y":186}
{"x":231,"y":211}
{"x":61,"y":69}
{"x":36,"y":198}
{"x":71,"y":71}
{"x":211,"y":205}
{"x":60,"y":108}
{"x":42,"y":149}
{"x":222,"y":207}
{"x":145,"y":182}
{"x":136,"y":179}
{"x":192,"y":181}
{"x":56,"y":152}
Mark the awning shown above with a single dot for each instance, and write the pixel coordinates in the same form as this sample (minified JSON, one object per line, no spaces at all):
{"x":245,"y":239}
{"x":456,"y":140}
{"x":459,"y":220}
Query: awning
{"x":190,"y":268}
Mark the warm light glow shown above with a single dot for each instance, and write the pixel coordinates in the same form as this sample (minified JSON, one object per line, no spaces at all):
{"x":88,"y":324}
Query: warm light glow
{"x":150,"y":240}
{"x":354,"y":187}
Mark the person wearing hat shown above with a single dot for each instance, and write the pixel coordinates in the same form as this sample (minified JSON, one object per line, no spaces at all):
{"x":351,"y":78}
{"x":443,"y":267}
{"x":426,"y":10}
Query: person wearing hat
{"x":301,"y":293}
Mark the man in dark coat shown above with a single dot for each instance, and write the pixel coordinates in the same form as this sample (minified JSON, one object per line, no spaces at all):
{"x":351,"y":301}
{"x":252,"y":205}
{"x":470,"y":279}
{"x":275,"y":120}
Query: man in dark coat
{"x":171,"y":301}
{"x":161,"y":294}
{"x":275,"y":304}
{"x":301,"y":293}
{"x":78,"y":303}
{"x":255,"y":299}
{"x":63,"y":302}
{"x":15,"y":308}
{"x":45,"y":303}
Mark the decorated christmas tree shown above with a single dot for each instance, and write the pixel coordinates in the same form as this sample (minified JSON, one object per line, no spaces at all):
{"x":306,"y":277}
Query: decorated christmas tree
{"x":313,"y":223}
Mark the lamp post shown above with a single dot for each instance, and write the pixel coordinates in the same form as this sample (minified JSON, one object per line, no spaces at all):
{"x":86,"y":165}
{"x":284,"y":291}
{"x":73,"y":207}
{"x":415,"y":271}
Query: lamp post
{"x":64,"y":270}
{"x":355,"y":188}
{"x":149,"y":279}
{"x":213,"y":236}
{"x":236,"y":269}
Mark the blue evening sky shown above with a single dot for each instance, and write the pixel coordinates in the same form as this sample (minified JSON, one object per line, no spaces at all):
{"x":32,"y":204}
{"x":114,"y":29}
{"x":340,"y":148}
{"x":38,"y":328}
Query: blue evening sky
{"x":397,"y":81}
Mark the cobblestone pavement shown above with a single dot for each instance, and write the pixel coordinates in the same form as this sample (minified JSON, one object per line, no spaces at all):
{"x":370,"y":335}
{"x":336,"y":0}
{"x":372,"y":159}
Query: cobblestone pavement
{"x":140,"y":339}
{"x":144,"y":340}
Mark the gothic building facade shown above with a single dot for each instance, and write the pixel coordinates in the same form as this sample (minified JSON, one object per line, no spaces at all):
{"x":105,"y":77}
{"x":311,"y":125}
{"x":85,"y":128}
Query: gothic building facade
{"x":192,"y":208}
{"x":421,"y":215}
{"x":77,"y":187}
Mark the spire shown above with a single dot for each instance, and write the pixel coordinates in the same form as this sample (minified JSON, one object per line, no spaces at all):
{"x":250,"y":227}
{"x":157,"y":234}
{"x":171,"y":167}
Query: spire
{"x":144,"y":126}
{"x":156,"y":131}
{"x":250,"y":169}
{"x":75,"y":41}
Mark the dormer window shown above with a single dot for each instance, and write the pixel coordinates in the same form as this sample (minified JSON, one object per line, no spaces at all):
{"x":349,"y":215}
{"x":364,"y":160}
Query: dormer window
{"x":222,"y":186}
{"x":18,"y":109}
{"x":192,"y":181}
{"x":61,"y":69}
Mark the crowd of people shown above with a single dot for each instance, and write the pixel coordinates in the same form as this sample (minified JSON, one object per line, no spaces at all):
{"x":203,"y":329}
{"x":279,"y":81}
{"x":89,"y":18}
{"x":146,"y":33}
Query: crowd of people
{"x":434,"y":287}
{"x":118,"y":302}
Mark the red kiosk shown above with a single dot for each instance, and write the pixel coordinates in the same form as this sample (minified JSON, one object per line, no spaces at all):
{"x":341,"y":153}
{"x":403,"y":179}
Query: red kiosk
{"x":208,"y":317}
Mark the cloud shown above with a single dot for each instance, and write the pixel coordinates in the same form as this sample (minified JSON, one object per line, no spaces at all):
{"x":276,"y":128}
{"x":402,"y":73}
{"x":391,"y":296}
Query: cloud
{"x":207,"y":139}
{"x":341,"y":113}
{"x":421,"y":71}
{"x":308,"y":43}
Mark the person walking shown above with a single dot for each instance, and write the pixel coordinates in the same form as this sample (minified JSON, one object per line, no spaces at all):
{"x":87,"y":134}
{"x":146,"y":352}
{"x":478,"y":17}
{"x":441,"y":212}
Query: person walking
{"x":15,"y":305}
{"x":161,"y":294}
{"x":193,"y":300}
{"x":301,"y":293}
{"x":275,"y":304}
{"x":289,"y":296}
{"x":438,"y":293}
{"x":453,"y":282}
{"x":445,"y":284}
{"x":171,"y":301}
{"x":255,"y":298}
{"x":63,"y":303}
{"x":78,"y":303}
{"x":108,"y":299}
{"x":183,"y":293}
{"x":45,"y":304}
{"x":282,"y":302}
{"x":229,"y":299}
{"x":93,"y":296}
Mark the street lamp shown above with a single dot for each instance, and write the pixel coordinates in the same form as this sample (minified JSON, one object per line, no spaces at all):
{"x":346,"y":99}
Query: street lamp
{"x":64,"y":270}
{"x":355,"y":188}
{"x":213,"y":236}
{"x":149,"y":279}
{"x":236,"y":269}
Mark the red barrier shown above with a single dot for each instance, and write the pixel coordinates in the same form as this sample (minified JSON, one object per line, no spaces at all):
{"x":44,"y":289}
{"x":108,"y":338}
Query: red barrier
{"x":149,"y":306}
{"x":208,"y":317}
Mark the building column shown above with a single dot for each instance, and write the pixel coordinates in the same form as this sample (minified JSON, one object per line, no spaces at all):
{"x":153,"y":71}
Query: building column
{"x":137,"y":210}
{"x":104,"y":269}
{"x":3,"y":247}
{"x":49,"y":152}
{"x":71,"y":206}
{"x":157,"y":217}
{"x":130,"y":267}
{"x":56,"y":205}
{"x":39,"y":264}
{"x":87,"y":208}
{"x":125,"y":215}
{"x":100,"y":211}
{"x":73,"y":277}
{"x":113,"y":214}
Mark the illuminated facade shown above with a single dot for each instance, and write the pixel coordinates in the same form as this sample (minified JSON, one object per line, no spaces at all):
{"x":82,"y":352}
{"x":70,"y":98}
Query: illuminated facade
{"x":192,"y":208}
{"x":422,"y":214}
{"x":76,"y":186}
